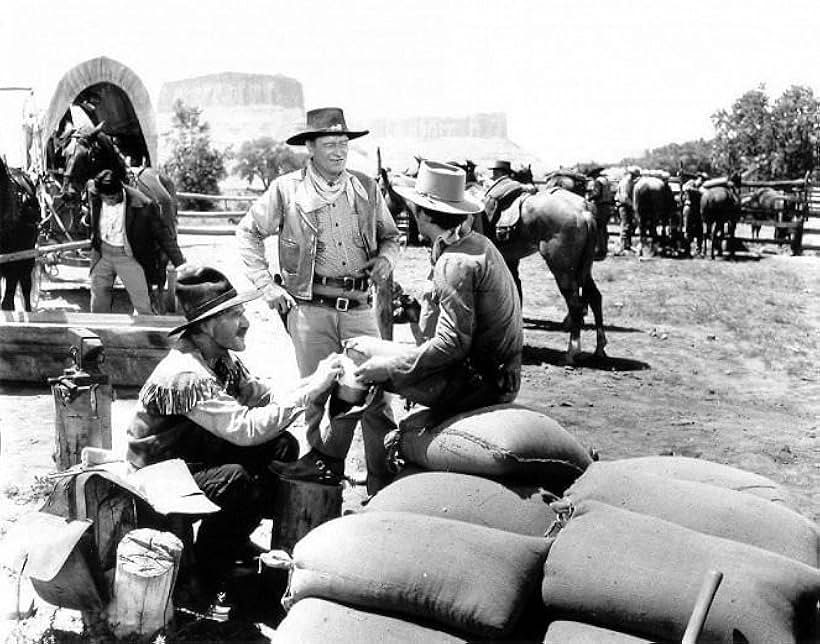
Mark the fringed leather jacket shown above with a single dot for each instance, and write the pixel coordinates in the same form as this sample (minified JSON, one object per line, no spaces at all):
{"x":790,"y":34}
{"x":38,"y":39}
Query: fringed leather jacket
{"x":185,"y":403}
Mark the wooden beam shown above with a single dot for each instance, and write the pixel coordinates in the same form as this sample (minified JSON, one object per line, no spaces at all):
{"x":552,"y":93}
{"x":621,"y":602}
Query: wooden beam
{"x":197,"y":195}
{"x":207,"y":230}
{"x":36,"y":345}
{"x":44,"y":250}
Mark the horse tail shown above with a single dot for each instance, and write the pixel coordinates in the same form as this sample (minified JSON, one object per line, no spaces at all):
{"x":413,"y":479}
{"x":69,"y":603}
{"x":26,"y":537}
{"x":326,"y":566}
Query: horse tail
{"x":588,"y":254}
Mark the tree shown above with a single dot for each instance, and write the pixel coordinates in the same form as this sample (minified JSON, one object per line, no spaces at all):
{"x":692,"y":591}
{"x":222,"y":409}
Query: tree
{"x":195,"y":165}
{"x":267,"y":159}
{"x":795,"y":124}
{"x":779,"y":140}
{"x":743,"y":134}
{"x":691,"y":157}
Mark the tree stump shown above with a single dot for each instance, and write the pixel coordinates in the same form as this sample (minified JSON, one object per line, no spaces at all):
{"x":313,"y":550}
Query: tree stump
{"x":300,"y":506}
{"x":147,"y":565}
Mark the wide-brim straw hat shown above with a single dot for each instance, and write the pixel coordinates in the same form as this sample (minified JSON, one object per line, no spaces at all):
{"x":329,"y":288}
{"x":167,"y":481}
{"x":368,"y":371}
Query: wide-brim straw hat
{"x":203,"y":292}
{"x":440,"y":187}
{"x":324,"y":121}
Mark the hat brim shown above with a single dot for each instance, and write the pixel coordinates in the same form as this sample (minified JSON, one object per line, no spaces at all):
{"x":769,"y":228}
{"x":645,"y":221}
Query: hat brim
{"x":463,"y":207}
{"x":301,"y":137}
{"x":239,"y":298}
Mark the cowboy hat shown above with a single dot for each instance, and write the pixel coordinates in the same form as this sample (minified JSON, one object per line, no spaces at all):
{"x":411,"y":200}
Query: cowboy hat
{"x":203,"y":292}
{"x":501,"y":165}
{"x":440,"y":187}
{"x":324,"y":121}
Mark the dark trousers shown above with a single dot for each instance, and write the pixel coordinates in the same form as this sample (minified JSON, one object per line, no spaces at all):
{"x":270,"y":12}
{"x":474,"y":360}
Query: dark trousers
{"x":238,"y":480}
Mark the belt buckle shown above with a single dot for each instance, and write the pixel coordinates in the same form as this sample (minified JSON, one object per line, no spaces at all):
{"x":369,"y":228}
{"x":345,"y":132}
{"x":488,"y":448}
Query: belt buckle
{"x":342,"y":304}
{"x":351,"y":281}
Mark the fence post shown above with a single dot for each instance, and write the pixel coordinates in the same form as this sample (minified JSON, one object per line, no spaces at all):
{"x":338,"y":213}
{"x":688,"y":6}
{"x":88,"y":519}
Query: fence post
{"x":797,"y":236}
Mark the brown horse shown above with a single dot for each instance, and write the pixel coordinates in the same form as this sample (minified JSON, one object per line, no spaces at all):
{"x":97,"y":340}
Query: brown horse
{"x":558,"y":224}
{"x":720,"y":210}
{"x":19,"y":219}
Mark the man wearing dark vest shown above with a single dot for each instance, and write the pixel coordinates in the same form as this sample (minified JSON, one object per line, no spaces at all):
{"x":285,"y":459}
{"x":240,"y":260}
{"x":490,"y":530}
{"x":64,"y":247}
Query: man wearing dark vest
{"x":336,"y":240}
{"x":500,"y":194}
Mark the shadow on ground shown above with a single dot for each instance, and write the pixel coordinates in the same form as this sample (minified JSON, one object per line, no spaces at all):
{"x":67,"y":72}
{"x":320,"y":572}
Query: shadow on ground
{"x":549,"y":325}
{"x":543,"y":355}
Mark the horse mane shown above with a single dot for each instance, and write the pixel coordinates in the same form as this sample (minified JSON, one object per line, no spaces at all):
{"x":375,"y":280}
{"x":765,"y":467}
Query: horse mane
{"x":9,"y":208}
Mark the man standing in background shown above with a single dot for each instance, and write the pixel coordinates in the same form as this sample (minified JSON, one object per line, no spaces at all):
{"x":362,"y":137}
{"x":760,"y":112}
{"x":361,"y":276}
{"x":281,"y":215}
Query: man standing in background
{"x":626,"y":208}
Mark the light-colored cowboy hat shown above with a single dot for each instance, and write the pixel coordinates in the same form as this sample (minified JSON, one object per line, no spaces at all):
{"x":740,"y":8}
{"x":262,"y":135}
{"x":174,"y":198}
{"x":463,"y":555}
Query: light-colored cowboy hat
{"x":324,"y":121}
{"x":203,"y":292}
{"x":440,"y":187}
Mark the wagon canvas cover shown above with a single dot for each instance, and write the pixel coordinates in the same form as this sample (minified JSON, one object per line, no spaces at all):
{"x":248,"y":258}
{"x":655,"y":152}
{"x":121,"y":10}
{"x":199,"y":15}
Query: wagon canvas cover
{"x":121,"y":101}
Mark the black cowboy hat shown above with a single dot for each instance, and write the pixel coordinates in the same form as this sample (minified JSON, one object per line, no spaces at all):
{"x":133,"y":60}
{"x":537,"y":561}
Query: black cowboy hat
{"x":324,"y":121}
{"x":502,"y":165}
{"x":203,"y":292}
{"x":105,"y":183}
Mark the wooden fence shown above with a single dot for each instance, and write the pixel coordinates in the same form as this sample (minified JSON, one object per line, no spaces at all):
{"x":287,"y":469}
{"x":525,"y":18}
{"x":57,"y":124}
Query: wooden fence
{"x":224,"y":221}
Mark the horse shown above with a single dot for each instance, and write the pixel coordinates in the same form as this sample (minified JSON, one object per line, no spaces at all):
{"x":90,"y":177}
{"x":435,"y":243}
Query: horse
{"x":719,"y":208}
{"x":566,"y":179}
{"x":19,"y":219}
{"x":654,"y":204}
{"x":90,"y":151}
{"x":399,"y":208}
{"x":558,"y":224}
{"x":772,"y":202}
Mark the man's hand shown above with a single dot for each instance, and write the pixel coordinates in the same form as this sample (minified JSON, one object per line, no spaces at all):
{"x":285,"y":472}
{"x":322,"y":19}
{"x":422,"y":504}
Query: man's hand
{"x":378,"y":269}
{"x":373,"y":370}
{"x":327,"y":371}
{"x":278,"y":298}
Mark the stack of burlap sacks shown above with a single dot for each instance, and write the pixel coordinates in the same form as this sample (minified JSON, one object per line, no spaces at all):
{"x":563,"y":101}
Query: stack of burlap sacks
{"x":503,"y":528}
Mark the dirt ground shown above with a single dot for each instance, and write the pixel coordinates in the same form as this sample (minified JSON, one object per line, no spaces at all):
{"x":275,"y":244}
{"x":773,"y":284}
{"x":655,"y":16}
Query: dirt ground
{"x":713,"y":359}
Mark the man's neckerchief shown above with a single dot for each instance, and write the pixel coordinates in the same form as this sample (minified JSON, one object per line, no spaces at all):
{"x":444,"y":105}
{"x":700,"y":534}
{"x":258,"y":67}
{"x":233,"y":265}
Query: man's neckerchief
{"x":231,"y":373}
{"x":326,"y":191}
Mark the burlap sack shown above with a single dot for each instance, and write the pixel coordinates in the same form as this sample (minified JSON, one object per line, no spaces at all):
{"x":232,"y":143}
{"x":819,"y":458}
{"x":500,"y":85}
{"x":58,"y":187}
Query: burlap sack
{"x":639,"y":574}
{"x":706,"y":508}
{"x":695,"y":469}
{"x":460,"y":576}
{"x":564,"y":632}
{"x":504,"y":441}
{"x":318,"y":621}
{"x":523,"y":509}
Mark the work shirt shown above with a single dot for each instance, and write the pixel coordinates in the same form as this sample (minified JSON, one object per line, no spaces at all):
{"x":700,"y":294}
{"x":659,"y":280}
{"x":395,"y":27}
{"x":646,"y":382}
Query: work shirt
{"x":112,"y":223}
{"x":472,"y":312}
{"x":339,"y":252}
{"x":623,"y":194}
{"x":184,"y":397}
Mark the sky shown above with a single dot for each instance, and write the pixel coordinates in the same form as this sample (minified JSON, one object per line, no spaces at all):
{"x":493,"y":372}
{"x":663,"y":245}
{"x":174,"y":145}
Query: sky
{"x":580,"y":80}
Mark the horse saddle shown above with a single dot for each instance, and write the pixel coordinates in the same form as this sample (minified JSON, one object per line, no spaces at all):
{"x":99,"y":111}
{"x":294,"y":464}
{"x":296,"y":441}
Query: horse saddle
{"x":508,"y":222}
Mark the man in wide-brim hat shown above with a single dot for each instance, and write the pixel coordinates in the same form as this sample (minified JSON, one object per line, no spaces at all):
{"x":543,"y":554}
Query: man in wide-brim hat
{"x":470,"y":333}
{"x":201,"y":405}
{"x":337,"y":241}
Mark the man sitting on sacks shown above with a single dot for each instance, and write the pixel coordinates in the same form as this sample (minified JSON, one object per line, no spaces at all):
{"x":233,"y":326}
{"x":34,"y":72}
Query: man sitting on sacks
{"x":200,"y":404}
{"x":469,"y":335}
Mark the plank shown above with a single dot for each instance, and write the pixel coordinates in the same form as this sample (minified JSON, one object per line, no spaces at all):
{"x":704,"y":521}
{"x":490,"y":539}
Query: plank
{"x":35,"y":345}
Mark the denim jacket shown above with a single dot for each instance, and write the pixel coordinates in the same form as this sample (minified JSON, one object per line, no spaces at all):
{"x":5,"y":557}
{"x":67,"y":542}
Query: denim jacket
{"x":284,"y":211}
